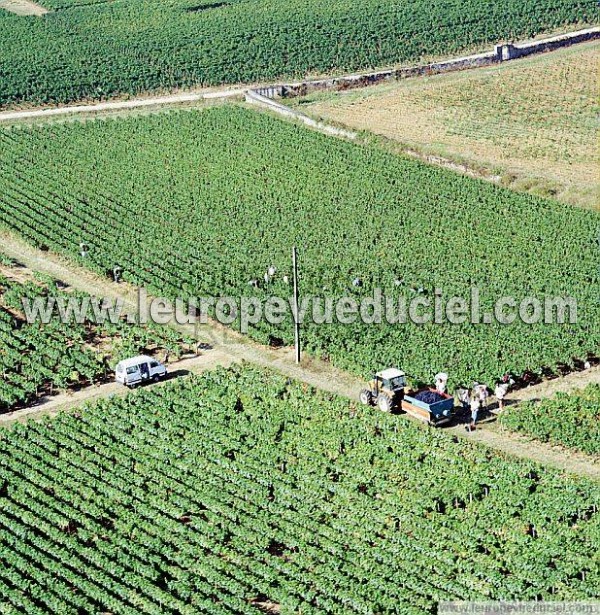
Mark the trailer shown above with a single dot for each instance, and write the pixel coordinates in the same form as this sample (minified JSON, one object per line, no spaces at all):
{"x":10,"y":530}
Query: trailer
{"x":436,"y":414}
{"x":388,"y":391}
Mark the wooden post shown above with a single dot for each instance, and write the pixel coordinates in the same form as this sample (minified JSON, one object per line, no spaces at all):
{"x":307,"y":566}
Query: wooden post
{"x":296,"y":303}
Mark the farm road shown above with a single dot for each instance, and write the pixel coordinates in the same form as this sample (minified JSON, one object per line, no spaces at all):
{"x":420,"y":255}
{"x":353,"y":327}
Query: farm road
{"x":120,"y":105}
{"x":23,"y":7}
{"x":203,"y":94}
{"x":229,"y":347}
{"x":576,"y":380}
{"x":67,"y":401}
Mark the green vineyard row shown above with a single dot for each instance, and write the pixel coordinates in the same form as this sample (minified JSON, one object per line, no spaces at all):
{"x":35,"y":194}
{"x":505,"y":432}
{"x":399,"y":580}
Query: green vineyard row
{"x":571,"y":420}
{"x":95,"y":49}
{"x":213,"y":494}
{"x":200,"y":203}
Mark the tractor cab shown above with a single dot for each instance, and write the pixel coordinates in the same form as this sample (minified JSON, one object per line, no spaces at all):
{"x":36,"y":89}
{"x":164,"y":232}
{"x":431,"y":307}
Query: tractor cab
{"x":391,"y":380}
{"x":385,"y":390}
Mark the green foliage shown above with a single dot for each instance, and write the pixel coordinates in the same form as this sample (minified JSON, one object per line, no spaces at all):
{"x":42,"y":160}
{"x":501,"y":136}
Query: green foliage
{"x":212,"y":494}
{"x":571,"y":420}
{"x":91,"y":49}
{"x":38,"y":358}
{"x":199,"y":203}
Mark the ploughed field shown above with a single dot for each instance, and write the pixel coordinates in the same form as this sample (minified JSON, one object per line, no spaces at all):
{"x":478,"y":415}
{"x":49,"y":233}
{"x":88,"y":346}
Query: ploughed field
{"x":534,"y":121}
{"x":240,"y":491}
{"x":200,"y":203}
{"x":94,"y":49}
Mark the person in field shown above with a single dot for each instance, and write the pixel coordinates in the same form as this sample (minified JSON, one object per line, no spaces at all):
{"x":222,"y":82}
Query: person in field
{"x":441,"y":381}
{"x":475,"y":407}
{"x":480,"y":390}
{"x":500,"y":392}
{"x":463,"y":396}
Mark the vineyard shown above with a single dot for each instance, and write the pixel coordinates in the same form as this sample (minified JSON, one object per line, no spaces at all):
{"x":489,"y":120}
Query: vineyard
{"x":262,"y":488}
{"x":237,"y":490}
{"x":39,"y":359}
{"x":539,"y":133}
{"x":91,"y":49}
{"x":568,"y":420}
{"x":193,"y":204}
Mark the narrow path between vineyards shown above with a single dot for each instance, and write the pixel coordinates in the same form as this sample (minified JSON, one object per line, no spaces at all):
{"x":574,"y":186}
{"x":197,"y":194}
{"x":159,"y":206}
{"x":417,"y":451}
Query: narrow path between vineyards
{"x":23,"y":7}
{"x":227,"y":347}
{"x":361,"y":79}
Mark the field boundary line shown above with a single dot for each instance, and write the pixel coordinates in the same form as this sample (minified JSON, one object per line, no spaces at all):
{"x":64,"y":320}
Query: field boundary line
{"x":575,"y":381}
{"x":502,"y":52}
{"x":228,"y":346}
{"x":289,"y":113}
{"x":121,"y":105}
{"x":254,"y":98}
{"x":23,"y":7}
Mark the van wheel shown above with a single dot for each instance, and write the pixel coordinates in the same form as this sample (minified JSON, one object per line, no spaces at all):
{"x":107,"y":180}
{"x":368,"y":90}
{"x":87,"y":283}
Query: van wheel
{"x":155,"y":378}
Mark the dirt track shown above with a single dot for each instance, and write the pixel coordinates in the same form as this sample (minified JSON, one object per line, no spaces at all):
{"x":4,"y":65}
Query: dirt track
{"x":23,"y":7}
{"x":181,"y":96}
{"x":228,"y":347}
{"x":120,"y":105}
{"x":66,"y":401}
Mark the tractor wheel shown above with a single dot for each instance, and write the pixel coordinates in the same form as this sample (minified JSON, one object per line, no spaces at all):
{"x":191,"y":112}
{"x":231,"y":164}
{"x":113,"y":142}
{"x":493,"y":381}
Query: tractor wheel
{"x":366,"y":397}
{"x":385,"y":403}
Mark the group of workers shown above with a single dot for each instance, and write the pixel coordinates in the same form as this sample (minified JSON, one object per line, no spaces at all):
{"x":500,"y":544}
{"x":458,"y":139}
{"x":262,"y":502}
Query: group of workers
{"x":475,"y":400}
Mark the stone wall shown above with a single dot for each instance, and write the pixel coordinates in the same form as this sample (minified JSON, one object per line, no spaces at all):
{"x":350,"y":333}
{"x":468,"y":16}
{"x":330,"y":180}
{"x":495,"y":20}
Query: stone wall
{"x":501,"y":53}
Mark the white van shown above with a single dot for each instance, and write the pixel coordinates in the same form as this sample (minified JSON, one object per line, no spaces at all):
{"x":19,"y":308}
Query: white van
{"x":139,"y":369}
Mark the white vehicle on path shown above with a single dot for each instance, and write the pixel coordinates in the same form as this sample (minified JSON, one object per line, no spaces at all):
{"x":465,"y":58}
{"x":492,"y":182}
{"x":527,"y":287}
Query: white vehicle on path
{"x":136,"y":370}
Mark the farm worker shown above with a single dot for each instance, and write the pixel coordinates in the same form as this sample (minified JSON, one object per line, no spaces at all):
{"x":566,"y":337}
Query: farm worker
{"x":480,"y":390}
{"x":463,"y":397}
{"x":475,"y":406}
{"x":117,"y":273}
{"x":500,"y":393}
{"x":441,"y":380}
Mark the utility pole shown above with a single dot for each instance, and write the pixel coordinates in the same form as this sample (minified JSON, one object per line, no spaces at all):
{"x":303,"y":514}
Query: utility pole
{"x":296,"y":303}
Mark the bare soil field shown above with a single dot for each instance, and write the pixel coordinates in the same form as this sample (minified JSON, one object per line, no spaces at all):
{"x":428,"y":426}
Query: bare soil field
{"x":23,"y":7}
{"x":533,"y":122}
